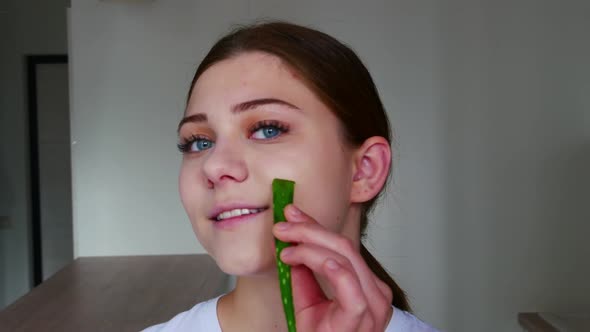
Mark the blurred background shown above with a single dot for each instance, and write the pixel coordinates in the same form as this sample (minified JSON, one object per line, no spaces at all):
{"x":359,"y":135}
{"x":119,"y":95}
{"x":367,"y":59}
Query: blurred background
{"x":488,"y":214}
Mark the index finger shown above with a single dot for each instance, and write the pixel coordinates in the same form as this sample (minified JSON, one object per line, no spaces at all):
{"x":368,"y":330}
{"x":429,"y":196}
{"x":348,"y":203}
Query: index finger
{"x":304,"y":228}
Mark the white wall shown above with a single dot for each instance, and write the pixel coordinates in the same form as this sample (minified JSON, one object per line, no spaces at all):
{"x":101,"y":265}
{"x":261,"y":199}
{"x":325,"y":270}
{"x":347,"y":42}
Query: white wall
{"x":27,"y":27}
{"x":517,"y":103}
{"x":488,"y":100}
{"x":131,"y":66}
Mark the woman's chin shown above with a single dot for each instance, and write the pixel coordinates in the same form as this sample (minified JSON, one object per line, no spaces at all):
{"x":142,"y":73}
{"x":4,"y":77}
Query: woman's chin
{"x":248,"y":267}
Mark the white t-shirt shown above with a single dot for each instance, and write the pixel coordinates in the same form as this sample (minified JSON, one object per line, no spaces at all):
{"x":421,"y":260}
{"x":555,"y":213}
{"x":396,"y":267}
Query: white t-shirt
{"x":203,"y":318}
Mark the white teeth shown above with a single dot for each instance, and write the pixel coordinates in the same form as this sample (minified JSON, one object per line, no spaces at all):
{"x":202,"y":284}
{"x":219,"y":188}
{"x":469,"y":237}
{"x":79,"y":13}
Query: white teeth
{"x":236,"y":213}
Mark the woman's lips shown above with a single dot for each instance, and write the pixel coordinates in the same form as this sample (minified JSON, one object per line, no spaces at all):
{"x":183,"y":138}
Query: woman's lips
{"x":237,"y":220}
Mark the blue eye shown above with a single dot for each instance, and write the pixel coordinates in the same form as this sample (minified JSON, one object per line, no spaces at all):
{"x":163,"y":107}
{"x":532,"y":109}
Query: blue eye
{"x":201,"y":144}
{"x":195,"y":144}
{"x":268,"y":130}
{"x":266,"y":133}
{"x":263,"y":130}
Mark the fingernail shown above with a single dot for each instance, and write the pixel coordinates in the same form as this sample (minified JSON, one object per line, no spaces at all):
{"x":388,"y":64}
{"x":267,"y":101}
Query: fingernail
{"x":282,"y":226}
{"x":286,"y":252}
{"x":293,"y":210}
{"x":332,"y":264}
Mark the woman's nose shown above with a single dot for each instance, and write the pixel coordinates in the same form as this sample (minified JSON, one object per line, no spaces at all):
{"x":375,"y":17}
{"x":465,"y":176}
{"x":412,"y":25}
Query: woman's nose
{"x":225,"y":163}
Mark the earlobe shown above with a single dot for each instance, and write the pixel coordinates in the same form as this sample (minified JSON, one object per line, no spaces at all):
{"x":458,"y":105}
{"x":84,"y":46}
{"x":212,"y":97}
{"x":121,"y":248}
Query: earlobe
{"x":371,"y":168}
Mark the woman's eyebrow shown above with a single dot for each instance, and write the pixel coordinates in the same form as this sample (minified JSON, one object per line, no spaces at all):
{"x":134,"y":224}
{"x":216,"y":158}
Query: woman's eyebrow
{"x":248,"y":105}
{"x":238,"y":108}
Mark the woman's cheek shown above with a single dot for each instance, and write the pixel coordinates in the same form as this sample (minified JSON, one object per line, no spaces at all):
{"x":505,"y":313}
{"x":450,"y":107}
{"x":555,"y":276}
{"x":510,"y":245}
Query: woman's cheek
{"x":183,"y":181}
{"x":188,"y":187}
{"x":276,"y":163}
{"x":326,"y":192}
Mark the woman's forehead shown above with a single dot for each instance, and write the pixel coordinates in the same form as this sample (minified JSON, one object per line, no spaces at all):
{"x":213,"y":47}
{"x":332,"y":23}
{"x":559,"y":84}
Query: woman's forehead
{"x":247,"y":76}
{"x":245,"y":66}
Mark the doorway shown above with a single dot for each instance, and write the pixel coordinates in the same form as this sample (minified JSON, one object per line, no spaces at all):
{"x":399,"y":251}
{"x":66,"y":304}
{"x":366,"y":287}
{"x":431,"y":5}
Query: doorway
{"x":50,"y":164}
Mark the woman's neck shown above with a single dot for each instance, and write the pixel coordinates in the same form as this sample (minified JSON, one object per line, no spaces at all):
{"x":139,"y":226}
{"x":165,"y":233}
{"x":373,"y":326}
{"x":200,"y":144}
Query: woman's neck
{"x":253,"y":305}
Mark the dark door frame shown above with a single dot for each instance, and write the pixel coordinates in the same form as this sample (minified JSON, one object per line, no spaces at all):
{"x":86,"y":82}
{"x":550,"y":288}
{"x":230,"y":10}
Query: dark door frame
{"x":31,"y":69}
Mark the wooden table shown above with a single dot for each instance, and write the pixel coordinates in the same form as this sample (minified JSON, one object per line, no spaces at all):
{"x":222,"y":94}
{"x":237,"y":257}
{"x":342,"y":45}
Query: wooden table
{"x":125,"y":293}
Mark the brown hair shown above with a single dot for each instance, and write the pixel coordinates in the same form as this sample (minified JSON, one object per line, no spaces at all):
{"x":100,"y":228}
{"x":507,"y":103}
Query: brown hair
{"x":337,"y":76}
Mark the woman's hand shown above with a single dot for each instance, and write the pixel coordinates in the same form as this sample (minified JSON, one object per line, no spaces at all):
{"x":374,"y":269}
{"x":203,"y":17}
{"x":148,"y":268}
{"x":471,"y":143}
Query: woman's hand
{"x":361,"y":303}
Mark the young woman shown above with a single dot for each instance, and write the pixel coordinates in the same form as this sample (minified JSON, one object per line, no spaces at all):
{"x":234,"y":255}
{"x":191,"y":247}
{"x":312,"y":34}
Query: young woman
{"x":277,"y":100}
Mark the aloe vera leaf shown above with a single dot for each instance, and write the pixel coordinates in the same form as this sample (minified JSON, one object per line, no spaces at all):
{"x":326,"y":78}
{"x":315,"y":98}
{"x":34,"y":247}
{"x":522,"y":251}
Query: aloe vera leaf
{"x":282,"y":193}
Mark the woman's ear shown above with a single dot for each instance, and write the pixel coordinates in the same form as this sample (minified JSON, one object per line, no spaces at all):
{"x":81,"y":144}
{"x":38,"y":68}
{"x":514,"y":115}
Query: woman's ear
{"x":370,"y":169}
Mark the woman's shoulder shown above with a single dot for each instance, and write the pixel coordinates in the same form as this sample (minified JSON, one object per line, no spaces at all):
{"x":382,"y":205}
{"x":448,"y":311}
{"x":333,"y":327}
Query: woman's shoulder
{"x":405,"y":321}
{"x":201,"y":317}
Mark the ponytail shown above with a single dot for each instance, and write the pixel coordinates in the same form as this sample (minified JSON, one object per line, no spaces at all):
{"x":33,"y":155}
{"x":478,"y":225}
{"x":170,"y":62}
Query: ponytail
{"x":400,"y":299}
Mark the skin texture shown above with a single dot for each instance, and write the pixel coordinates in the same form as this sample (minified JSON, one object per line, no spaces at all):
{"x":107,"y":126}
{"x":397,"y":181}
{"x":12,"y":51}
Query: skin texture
{"x":332,"y":180}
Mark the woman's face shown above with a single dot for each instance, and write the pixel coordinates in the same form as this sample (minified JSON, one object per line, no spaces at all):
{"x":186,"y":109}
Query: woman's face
{"x":250,"y":119}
